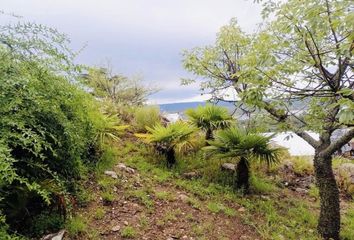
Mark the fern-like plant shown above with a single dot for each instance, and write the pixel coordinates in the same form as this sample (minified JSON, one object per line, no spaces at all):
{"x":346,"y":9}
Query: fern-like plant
{"x":172,"y":139}
{"x":236,"y":144}
{"x":209,"y":118}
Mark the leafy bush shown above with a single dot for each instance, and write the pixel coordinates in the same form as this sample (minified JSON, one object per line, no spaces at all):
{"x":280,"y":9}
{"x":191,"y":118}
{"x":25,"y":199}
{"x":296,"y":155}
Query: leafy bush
{"x":147,"y":116}
{"x":48,"y":127}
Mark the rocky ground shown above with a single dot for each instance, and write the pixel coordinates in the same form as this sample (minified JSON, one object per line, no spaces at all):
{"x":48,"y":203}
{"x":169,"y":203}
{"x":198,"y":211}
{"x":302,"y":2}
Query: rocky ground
{"x":135,"y":199}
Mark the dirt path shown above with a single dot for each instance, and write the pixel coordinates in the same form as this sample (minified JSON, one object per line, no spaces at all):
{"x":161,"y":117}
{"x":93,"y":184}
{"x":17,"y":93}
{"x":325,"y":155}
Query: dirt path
{"x":146,"y":209}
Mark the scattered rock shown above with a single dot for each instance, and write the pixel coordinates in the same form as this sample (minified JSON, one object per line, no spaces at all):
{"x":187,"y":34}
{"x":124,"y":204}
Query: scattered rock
{"x":228,"y":167}
{"x":301,"y":190}
{"x":126,"y":223}
{"x":183,"y":197}
{"x":115,"y":228}
{"x":244,"y":237}
{"x":265,"y":197}
{"x":191,"y":175}
{"x":288,"y":166}
{"x":185,"y":237}
{"x":55,"y":236}
{"x":241,"y":209}
{"x":111,"y":173}
{"x":123,"y":167}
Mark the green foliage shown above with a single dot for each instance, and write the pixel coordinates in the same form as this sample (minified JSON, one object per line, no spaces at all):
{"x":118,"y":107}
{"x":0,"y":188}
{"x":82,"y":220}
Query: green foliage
{"x":47,"y":223}
{"x":48,"y":124}
{"x":146,"y":116}
{"x":209,"y":118}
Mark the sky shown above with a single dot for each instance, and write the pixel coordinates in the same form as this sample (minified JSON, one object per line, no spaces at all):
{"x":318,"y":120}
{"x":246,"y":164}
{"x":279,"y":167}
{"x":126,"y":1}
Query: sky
{"x":140,"y":37}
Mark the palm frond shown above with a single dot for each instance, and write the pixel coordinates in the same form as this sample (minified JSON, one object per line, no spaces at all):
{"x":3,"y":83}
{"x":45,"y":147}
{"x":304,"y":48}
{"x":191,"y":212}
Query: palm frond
{"x":235,"y":143}
{"x":210,"y":117}
{"x":175,"y":135}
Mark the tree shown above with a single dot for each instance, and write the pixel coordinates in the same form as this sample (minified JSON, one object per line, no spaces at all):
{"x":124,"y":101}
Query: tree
{"x":173,"y":139}
{"x":117,"y":88}
{"x":303,"y":53}
{"x":236,"y":144}
{"x":209,"y":118}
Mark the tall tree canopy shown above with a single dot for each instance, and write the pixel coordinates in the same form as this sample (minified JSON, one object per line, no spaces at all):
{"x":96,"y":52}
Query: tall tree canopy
{"x":303,"y":52}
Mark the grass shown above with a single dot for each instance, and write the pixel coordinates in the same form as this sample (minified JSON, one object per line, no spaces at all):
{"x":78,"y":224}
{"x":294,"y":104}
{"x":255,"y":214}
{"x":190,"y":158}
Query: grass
{"x":280,"y":215}
{"x":144,"y":197}
{"x":108,"y":197}
{"x":164,"y":195}
{"x":76,"y":225}
{"x":128,"y":232}
{"x":99,"y":213}
{"x":348,"y":222}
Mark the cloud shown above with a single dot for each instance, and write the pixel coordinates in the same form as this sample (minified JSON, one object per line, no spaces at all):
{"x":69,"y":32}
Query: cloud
{"x":138,"y":35}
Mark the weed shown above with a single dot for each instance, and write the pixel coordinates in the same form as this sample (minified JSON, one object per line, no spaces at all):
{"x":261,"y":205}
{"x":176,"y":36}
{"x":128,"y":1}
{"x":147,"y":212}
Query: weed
{"x":143,"y":196}
{"x":261,"y":185}
{"x":215,"y":207}
{"x":76,"y":225}
{"x":107,"y":197}
{"x":100,"y":213}
{"x":128,"y":232}
{"x":164,"y":195}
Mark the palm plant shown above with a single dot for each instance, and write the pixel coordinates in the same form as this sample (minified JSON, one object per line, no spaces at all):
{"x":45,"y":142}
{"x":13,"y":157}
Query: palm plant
{"x":236,"y":144}
{"x":109,"y":128}
{"x":209,"y":118}
{"x":171,"y":139}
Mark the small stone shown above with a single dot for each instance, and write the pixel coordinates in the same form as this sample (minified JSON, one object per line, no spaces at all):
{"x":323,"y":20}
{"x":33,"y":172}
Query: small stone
{"x":241,"y":209}
{"x":265,"y":197}
{"x":115,"y":189}
{"x":115,"y":228}
{"x":55,"y":236}
{"x":185,"y":237}
{"x":190,"y":175}
{"x":244,"y":237}
{"x":111,"y":173}
{"x":301,"y":190}
{"x":183,"y":197}
{"x":228,"y":166}
{"x":126,"y":223}
{"x":130,"y":170}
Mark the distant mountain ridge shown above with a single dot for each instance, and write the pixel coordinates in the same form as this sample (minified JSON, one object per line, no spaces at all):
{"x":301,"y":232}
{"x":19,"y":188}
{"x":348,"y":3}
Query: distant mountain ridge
{"x":180,"y":107}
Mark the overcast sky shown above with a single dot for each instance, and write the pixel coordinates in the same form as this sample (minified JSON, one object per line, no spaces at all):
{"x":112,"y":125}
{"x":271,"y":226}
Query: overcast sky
{"x":139,"y":36}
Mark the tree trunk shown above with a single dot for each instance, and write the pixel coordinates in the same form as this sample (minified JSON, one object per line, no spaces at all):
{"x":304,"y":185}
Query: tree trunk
{"x":329,"y":221}
{"x":209,"y":134}
{"x":170,"y":157}
{"x":242,"y":175}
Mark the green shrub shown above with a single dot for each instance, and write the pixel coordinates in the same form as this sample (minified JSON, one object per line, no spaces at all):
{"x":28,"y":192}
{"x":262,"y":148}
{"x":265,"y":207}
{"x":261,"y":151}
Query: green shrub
{"x":47,"y":223}
{"x":147,"y":116}
{"x":48,"y":125}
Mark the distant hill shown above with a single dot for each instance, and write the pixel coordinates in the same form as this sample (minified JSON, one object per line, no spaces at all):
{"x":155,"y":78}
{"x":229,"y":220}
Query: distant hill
{"x":180,"y":107}
{"x":183,"y":106}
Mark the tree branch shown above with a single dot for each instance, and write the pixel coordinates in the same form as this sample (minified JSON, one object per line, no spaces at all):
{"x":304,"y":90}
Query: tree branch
{"x":335,"y":146}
